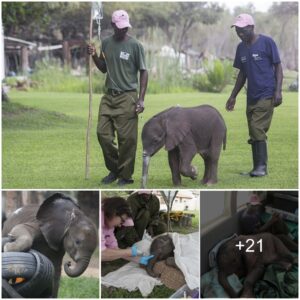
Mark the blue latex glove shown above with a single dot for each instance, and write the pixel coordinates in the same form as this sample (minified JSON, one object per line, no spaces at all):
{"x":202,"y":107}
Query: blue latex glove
{"x":135,"y":251}
{"x":145,"y":259}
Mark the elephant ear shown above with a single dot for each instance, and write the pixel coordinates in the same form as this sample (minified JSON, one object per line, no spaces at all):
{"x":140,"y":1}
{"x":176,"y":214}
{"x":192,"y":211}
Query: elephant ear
{"x":55,"y":216}
{"x":177,"y":127}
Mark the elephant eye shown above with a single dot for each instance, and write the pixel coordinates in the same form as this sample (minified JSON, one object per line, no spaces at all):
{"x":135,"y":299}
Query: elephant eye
{"x":77,"y":242}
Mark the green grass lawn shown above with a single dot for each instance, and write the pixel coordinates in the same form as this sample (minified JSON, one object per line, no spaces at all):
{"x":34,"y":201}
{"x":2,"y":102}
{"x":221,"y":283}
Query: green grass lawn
{"x":80,"y":287}
{"x":43,"y":143}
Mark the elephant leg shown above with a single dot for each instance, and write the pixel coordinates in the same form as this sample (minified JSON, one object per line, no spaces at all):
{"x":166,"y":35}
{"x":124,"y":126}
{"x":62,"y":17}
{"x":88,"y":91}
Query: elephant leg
{"x":255,"y":274}
{"x":206,"y":168}
{"x":186,"y":157}
{"x":21,"y":238}
{"x":288,"y":242}
{"x":212,"y":173}
{"x":150,"y":266}
{"x":285,"y":258}
{"x":213,"y":160}
{"x":173,"y":156}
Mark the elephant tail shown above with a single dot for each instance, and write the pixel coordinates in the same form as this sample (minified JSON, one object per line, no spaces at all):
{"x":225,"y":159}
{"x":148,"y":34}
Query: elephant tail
{"x":225,"y":139}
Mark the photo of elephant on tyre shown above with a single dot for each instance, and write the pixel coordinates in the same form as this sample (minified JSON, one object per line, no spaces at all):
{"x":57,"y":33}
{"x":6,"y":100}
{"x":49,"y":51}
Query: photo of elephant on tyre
{"x":185,"y":132}
{"x":140,"y":236}
{"x":249,"y":250}
{"x":52,"y":227}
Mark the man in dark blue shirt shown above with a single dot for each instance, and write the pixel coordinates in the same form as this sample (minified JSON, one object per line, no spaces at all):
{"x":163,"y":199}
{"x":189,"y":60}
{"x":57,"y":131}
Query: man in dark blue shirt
{"x":259,"y":63}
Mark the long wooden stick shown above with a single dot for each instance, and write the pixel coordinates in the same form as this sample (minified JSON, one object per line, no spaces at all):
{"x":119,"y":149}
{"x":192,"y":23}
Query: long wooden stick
{"x":88,"y":131}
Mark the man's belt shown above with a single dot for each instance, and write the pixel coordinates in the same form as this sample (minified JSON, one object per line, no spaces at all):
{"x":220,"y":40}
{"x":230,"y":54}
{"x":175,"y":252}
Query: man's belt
{"x":117,"y":93}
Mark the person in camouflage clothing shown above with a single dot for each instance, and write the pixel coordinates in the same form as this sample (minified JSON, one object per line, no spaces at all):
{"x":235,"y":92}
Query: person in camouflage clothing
{"x":145,"y":214}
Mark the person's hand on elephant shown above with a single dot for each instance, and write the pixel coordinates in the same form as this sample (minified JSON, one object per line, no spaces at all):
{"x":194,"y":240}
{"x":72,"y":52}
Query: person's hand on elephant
{"x":135,"y":251}
{"x":145,"y":259}
{"x":140,"y":106}
{"x":230,"y":104}
{"x":91,"y":49}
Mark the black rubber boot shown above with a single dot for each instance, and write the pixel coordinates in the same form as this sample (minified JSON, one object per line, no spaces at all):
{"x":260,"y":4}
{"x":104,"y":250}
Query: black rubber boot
{"x":254,"y":158}
{"x":260,"y":158}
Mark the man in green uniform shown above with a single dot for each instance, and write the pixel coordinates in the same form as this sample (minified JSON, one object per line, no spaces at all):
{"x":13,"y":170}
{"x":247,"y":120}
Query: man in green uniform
{"x":145,"y":208}
{"x":122,"y":57}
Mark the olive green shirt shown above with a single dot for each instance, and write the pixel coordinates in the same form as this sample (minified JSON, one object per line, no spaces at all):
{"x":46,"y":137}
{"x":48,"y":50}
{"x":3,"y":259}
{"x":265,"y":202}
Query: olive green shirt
{"x":123,"y":61}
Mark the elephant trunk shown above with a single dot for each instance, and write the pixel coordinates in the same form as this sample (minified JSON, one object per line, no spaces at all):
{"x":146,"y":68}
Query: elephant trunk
{"x":146,"y":161}
{"x":150,"y":266}
{"x":78,"y":269}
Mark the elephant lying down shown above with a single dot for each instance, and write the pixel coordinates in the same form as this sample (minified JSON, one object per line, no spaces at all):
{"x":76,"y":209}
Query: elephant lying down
{"x":250,"y":265}
{"x":185,"y":132}
{"x":162,"y":248}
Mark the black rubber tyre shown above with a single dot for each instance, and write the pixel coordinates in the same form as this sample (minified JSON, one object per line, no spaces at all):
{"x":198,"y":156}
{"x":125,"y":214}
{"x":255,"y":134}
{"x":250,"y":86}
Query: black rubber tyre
{"x":36,"y":268}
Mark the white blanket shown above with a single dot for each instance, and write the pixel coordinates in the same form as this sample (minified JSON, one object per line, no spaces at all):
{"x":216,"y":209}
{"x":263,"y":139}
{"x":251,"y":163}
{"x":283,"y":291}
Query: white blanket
{"x":187,"y":257}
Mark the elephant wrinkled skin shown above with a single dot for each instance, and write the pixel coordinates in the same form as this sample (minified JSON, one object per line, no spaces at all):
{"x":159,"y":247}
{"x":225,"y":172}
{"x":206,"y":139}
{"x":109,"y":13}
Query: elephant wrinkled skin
{"x":162,"y":247}
{"x":185,"y":132}
{"x":55,"y":227}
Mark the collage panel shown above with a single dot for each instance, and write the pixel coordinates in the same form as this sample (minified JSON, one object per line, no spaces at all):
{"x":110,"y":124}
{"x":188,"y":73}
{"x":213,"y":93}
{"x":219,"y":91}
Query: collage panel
{"x":184,"y":103}
{"x":50,"y":244}
{"x":150,"y":244}
{"x":249,"y":244}
{"x":179,"y":120}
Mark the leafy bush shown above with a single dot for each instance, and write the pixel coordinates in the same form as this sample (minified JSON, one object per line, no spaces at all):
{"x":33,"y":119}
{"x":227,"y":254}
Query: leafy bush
{"x":166,"y":75}
{"x":216,"y":75}
{"x":51,"y":77}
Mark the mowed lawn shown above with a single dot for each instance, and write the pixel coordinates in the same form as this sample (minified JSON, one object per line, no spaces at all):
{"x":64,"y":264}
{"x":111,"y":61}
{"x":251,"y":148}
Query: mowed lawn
{"x":44,"y":143}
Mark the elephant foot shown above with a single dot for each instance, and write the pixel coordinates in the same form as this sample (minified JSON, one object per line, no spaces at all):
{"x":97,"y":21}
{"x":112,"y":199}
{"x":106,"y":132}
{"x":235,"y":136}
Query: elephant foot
{"x":189,"y":171}
{"x":210,"y":182}
{"x":176,"y":181}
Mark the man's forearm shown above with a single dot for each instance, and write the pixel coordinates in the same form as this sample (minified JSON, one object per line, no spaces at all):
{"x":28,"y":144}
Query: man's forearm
{"x":279,"y":77}
{"x":240,"y":81}
{"x":101,"y":65}
{"x":143,"y":83}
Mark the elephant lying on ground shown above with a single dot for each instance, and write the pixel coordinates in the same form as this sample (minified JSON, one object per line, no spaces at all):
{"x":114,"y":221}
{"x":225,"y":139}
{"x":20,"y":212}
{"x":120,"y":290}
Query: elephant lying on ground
{"x":162,"y":248}
{"x":55,"y":227}
{"x":250,"y":265}
{"x":185,"y":132}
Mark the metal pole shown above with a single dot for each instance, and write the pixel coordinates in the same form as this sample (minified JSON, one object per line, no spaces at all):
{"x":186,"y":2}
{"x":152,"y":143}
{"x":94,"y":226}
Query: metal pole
{"x":88,"y":131}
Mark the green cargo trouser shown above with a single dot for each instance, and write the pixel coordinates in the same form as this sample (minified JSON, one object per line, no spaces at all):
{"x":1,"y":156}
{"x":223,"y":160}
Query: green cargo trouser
{"x":126,"y":236}
{"x":259,"y":118}
{"x":117,"y":115}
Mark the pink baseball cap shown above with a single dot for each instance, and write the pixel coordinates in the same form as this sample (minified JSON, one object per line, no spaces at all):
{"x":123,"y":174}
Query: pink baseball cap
{"x":120,"y":18}
{"x":243,"y":20}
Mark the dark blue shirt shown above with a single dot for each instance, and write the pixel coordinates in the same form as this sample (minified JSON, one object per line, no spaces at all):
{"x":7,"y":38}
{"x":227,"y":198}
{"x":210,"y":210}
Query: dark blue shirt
{"x":257,"y":62}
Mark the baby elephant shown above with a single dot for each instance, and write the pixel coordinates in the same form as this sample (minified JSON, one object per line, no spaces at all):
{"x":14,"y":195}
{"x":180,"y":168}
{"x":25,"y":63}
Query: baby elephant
{"x":185,"y":132}
{"x":162,"y":247}
{"x":251,"y":260}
